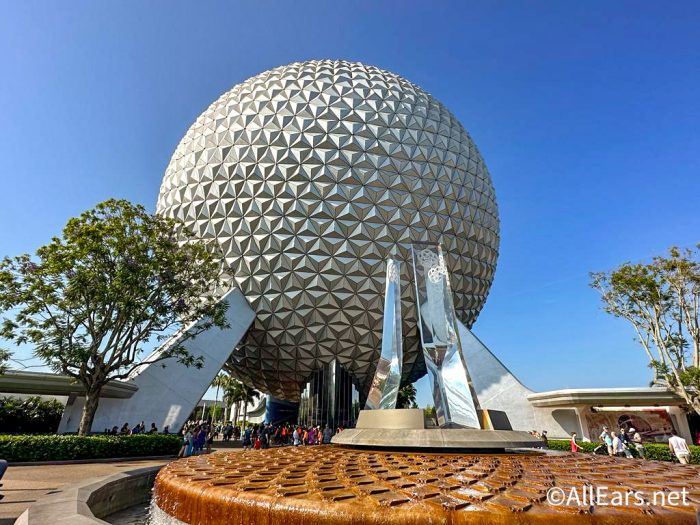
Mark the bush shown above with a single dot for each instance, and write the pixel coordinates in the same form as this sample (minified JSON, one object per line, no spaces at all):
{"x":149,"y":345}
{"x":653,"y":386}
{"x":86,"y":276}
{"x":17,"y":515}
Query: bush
{"x":657,"y":451}
{"x":54,"y":448}
{"x":33,"y":415}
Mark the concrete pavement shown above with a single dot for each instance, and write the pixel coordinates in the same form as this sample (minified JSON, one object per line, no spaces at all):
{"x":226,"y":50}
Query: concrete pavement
{"x":23,"y":485}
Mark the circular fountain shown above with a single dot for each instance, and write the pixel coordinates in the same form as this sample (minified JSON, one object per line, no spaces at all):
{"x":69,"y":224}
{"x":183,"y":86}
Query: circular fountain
{"x":336,"y":485}
{"x":320,"y":181}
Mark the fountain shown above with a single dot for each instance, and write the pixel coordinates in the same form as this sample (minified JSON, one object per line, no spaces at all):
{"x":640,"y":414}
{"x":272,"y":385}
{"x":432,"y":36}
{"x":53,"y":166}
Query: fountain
{"x":391,"y":469}
{"x":336,"y":485}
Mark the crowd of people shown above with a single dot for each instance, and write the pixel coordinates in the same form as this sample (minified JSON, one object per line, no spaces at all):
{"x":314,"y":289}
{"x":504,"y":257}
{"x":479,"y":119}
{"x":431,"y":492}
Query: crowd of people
{"x":196,"y":438}
{"x":622,"y":442}
{"x":199,"y":436}
{"x":140,"y":428}
{"x":542,"y":436}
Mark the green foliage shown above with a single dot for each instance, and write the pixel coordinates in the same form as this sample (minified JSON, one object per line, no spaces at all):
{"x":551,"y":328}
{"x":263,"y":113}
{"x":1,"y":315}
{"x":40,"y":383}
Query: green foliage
{"x":118,"y":278}
{"x":56,"y":448}
{"x":216,"y":412}
{"x":4,"y":358}
{"x":656,"y":451}
{"x":430,"y":414}
{"x":32,"y":415}
{"x":407,"y":397}
{"x":565,"y":444}
{"x":234,"y":391}
{"x":661,"y":300}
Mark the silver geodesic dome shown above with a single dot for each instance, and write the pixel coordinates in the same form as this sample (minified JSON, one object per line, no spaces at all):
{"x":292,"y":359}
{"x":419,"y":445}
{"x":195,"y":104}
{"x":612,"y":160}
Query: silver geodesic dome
{"x":308,"y":176}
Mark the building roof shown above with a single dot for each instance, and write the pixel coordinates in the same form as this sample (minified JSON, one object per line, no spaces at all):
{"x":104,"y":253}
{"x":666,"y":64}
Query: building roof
{"x":642,"y":396}
{"x":45,"y":383}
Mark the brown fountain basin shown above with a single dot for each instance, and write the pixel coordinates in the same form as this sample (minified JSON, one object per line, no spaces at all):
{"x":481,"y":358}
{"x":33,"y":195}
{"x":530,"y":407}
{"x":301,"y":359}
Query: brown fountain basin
{"x":334,"y":485}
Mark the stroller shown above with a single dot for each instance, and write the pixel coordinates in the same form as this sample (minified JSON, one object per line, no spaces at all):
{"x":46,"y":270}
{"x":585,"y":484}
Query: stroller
{"x":601,"y":450}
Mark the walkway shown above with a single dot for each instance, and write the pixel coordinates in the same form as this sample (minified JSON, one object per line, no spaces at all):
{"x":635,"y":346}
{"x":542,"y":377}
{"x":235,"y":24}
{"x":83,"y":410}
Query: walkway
{"x":23,"y":485}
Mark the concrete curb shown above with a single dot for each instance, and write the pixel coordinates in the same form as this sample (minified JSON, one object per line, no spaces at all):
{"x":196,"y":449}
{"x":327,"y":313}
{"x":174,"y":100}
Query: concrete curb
{"x":82,"y":461}
{"x":87,"y":502}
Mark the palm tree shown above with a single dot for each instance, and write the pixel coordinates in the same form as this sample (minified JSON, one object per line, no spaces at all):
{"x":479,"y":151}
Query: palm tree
{"x":249,"y":395}
{"x":233,"y":393}
{"x":220,"y":381}
{"x":407,"y":397}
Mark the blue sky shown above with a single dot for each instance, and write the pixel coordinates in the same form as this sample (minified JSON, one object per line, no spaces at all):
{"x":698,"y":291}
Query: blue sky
{"x":586,"y":113}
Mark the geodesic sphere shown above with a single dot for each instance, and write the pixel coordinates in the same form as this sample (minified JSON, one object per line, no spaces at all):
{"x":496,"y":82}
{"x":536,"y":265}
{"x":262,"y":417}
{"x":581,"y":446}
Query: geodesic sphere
{"x":309,"y":176}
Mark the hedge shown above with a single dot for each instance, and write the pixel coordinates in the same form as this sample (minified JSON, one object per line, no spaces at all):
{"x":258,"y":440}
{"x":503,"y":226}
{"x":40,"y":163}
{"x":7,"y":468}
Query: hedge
{"x":32,"y":415}
{"x":55,"y":448}
{"x":657,"y":451}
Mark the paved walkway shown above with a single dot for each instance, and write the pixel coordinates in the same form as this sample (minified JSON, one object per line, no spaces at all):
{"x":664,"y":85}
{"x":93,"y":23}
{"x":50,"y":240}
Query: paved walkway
{"x":23,"y":485}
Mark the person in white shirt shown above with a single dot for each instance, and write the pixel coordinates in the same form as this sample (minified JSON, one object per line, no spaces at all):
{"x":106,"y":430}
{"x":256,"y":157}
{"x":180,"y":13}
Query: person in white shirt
{"x":606,"y":438}
{"x":679,"y":447}
{"x":617,"y":446}
{"x":637,"y":440}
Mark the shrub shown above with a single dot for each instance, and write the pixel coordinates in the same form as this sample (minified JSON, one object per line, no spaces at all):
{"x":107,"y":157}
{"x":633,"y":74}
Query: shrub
{"x":657,"y":451}
{"x":32,"y":415}
{"x":54,"y":448}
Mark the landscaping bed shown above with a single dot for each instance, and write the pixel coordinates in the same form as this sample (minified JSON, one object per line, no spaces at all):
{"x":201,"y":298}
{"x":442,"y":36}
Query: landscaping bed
{"x":16,"y":448}
{"x":657,"y":451}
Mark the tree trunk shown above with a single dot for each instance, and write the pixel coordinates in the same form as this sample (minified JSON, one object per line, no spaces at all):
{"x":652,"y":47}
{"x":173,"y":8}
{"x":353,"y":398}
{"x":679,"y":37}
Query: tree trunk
{"x":216,"y":404}
{"x":92,"y":400}
{"x":235,"y":413}
{"x":245,"y":413}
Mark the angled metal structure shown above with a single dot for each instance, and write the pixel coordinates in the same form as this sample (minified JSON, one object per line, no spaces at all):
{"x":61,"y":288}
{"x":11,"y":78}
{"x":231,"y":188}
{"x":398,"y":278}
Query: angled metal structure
{"x":167,"y":391}
{"x":456,"y":404}
{"x":387,"y":377}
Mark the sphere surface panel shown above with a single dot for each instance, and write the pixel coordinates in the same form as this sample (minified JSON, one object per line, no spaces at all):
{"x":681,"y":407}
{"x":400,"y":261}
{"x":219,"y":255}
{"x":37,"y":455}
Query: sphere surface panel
{"x":309,"y":176}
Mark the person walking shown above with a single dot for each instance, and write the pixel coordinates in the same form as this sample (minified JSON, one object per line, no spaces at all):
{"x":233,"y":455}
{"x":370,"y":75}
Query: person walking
{"x":606,"y":438}
{"x":210,"y":440}
{"x":181,"y":453}
{"x":617,"y":445}
{"x":327,"y":435}
{"x":545,"y":440}
{"x":637,"y":440}
{"x":574,"y":445}
{"x":679,"y":447}
{"x":247,"y":436}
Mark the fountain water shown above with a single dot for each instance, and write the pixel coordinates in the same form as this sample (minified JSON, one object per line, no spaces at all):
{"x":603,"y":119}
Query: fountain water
{"x":336,"y":485}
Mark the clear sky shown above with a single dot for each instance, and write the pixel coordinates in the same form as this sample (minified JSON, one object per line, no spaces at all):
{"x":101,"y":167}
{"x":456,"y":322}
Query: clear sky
{"x":587,"y":114}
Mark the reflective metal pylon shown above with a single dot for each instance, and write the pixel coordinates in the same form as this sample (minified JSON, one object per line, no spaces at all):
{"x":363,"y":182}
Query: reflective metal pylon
{"x":387,"y":378}
{"x":456,"y":404}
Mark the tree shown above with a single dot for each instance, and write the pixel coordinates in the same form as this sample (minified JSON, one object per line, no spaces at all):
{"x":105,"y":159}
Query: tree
{"x":233,"y":394}
{"x":220,"y":381}
{"x":661,"y":300}
{"x":4,"y":358}
{"x":248,"y":396}
{"x":30,"y":415}
{"x":117,"y":279}
{"x":406,"y":397}
{"x":430,"y":414}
